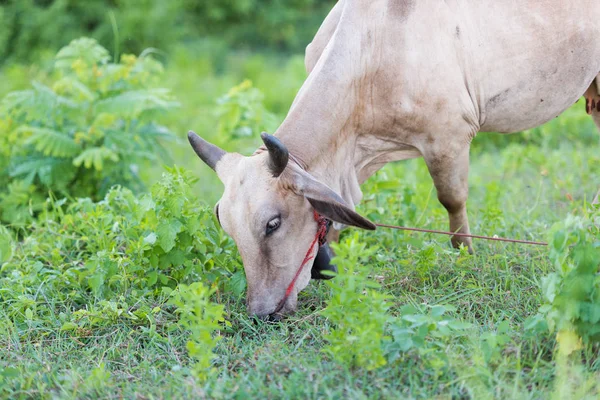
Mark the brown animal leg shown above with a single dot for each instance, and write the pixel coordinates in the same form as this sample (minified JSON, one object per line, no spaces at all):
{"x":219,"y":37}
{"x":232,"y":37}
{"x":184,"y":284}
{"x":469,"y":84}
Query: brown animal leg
{"x":449,"y":170}
{"x":592,"y":107}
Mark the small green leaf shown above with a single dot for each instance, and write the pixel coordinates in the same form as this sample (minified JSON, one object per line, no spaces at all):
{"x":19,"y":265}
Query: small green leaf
{"x":151,"y":278}
{"x":6,"y":245}
{"x":95,"y":156}
{"x":51,"y":142}
{"x":237,"y":283}
{"x":167,"y":233}
{"x":150,"y":239}
{"x":437,"y":311}
{"x":85,"y":49}
{"x":96,"y":281}
{"x":69,"y":326}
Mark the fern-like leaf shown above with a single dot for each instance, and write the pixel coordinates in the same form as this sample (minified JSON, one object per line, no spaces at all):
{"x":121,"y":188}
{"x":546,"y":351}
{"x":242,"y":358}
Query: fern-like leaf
{"x":14,"y":100}
{"x":132,"y":103}
{"x":52,"y":172}
{"x":75,"y":89}
{"x":51,"y":143}
{"x":95,"y":157}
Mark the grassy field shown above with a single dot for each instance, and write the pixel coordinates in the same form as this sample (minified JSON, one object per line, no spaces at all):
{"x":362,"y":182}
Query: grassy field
{"x":520,"y":186}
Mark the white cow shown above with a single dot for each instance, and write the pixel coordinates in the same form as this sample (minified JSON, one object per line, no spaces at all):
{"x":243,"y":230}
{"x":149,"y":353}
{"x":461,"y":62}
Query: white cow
{"x":392,"y":80}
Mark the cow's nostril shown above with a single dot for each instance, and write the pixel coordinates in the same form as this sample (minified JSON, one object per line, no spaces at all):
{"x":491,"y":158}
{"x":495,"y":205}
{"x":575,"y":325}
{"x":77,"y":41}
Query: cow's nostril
{"x":274,"y":317}
{"x":267,"y":317}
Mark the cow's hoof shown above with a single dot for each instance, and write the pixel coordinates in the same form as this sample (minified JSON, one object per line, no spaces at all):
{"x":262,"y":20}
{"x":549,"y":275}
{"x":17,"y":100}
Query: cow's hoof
{"x":267,"y":318}
{"x":462,"y":241}
{"x":322,"y":267}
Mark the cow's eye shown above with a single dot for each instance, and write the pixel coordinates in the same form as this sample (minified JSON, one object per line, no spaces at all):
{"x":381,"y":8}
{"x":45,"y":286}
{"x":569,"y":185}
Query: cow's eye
{"x":273,"y":224}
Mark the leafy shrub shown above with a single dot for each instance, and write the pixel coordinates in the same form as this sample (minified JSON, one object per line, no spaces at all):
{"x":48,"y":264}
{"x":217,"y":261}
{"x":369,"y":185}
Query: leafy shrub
{"x":572,"y":304}
{"x":242,"y":113}
{"x":364,"y":334}
{"x":356,"y":311}
{"x":288,"y":24}
{"x":31,"y":26}
{"x":572,"y":293}
{"x":99,"y":261}
{"x":202,"y":318}
{"x":91,"y":129}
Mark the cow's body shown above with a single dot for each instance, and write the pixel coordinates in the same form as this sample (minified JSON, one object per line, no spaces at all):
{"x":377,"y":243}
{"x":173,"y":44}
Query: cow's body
{"x":390,"y":80}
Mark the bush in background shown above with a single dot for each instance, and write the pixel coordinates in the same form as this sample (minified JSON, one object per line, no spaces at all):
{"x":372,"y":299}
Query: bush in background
{"x":92,"y":128}
{"x":31,"y":26}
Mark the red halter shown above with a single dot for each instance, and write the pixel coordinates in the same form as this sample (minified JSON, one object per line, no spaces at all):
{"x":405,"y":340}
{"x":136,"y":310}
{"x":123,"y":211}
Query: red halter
{"x":320,"y":238}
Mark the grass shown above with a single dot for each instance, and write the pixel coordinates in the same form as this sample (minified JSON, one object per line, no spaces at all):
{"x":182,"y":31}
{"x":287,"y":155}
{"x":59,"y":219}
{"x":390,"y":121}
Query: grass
{"x":520,"y":186}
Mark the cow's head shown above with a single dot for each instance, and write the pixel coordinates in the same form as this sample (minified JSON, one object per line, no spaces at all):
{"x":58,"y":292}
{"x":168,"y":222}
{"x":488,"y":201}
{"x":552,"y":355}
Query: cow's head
{"x":267,"y":208}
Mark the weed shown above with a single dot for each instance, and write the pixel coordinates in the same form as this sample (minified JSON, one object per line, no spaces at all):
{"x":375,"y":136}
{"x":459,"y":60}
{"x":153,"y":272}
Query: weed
{"x":356,"y":310}
{"x":202,"y":318}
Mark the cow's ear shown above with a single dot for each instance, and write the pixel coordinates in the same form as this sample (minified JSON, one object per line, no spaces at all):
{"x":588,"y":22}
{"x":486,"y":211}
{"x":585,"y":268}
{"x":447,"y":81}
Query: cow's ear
{"x":327,"y":202}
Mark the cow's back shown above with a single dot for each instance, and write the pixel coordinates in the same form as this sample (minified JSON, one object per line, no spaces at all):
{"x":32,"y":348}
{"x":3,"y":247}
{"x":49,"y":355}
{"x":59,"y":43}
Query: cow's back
{"x":531,"y":60}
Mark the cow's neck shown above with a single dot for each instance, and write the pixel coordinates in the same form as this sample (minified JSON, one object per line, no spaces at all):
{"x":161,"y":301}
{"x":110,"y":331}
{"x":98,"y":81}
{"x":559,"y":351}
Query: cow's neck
{"x":342,"y":147}
{"x":332,"y":129}
{"x":335,"y":165}
{"x":327,"y":149}
{"x":320,"y":134}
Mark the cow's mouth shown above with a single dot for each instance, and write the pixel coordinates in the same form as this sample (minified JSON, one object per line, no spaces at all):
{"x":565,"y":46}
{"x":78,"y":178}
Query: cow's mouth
{"x":322,"y":267}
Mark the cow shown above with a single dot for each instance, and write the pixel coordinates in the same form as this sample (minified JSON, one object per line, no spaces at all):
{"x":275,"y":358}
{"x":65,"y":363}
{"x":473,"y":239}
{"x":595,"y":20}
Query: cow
{"x":391,"y":80}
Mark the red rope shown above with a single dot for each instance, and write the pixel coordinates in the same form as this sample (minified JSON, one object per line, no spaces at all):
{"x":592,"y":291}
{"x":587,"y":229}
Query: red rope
{"x":319,"y":238}
{"x":403,"y":228}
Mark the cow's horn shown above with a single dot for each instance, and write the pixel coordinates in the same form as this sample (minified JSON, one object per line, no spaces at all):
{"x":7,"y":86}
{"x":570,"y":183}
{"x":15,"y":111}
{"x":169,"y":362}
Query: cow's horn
{"x":278,"y":154}
{"x":209,"y":153}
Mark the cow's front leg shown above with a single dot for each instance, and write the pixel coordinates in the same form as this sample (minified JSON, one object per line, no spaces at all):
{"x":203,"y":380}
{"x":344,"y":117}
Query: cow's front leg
{"x":450,"y":170}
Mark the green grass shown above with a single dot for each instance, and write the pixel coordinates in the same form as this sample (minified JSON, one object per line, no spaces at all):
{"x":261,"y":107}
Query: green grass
{"x":520,"y":186}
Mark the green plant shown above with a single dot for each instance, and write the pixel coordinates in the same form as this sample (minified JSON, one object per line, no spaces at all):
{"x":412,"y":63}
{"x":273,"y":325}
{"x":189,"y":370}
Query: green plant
{"x":92,"y":128}
{"x":31,"y":27}
{"x":364,"y":335}
{"x":493,"y":342}
{"x":99,"y":378}
{"x":426,"y":333}
{"x":572,"y":292}
{"x":98,"y":260}
{"x":357,"y":312}
{"x":242,"y":113}
{"x":202,"y":318}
